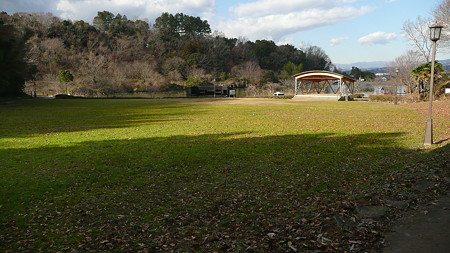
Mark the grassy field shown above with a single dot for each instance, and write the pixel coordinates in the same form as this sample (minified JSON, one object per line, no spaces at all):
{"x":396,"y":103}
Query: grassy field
{"x":206,"y":174}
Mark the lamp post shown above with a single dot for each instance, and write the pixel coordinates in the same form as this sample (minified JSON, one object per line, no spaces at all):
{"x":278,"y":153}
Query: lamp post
{"x":396,"y":88}
{"x":435,"y":35}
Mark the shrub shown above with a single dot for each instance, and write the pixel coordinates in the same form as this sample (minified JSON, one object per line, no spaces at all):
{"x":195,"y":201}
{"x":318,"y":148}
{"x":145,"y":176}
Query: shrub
{"x":381,"y":98}
{"x":389,"y":98}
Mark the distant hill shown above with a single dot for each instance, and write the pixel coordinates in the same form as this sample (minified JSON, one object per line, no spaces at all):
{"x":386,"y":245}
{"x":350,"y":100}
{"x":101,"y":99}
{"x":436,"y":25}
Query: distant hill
{"x":362,"y":65}
{"x":379,"y":66}
{"x":446,"y":64}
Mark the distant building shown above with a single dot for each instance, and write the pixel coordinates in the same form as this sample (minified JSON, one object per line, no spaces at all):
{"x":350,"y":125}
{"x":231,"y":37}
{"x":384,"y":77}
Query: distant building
{"x":210,"y":91}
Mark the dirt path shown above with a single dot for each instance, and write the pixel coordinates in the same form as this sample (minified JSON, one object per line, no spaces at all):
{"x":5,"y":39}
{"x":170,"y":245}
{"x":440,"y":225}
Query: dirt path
{"x":427,"y":229}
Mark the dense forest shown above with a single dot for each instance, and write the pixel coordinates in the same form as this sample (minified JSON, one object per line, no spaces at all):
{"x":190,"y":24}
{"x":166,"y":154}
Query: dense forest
{"x":116,"y":55}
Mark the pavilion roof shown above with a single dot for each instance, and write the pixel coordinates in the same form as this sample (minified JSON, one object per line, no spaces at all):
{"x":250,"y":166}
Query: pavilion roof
{"x":321,"y":75}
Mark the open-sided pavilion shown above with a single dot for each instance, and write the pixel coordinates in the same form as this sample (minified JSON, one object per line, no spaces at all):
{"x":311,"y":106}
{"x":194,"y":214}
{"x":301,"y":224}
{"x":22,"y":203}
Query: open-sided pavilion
{"x":320,"y":82}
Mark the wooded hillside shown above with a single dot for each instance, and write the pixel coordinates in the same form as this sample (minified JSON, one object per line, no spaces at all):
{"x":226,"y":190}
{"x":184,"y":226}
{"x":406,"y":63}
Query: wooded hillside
{"x":116,"y":55}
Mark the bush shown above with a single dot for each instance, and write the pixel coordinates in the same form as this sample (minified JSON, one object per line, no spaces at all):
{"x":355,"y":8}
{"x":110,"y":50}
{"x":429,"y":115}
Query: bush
{"x":382,"y":98}
{"x":390,"y":98}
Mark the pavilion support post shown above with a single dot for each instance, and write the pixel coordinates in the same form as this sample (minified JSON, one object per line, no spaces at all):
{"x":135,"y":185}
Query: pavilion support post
{"x":346,"y":91}
{"x":331,"y":87}
{"x":322,"y":87}
{"x":295,"y":85}
{"x":349,"y":88}
{"x":327,"y":84}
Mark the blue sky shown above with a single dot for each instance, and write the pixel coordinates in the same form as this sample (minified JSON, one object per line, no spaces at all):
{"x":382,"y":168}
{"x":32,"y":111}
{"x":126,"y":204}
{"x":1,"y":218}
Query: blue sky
{"x":348,"y":30}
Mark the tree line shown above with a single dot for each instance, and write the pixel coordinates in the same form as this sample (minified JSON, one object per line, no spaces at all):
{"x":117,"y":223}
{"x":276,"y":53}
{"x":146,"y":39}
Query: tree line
{"x":116,"y":55}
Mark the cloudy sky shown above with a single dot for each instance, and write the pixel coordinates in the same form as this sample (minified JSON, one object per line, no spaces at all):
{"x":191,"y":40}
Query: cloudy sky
{"x":348,"y":30}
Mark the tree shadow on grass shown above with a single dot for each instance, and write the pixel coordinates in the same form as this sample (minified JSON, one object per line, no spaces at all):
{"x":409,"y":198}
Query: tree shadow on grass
{"x":221,"y":191}
{"x":34,"y":117}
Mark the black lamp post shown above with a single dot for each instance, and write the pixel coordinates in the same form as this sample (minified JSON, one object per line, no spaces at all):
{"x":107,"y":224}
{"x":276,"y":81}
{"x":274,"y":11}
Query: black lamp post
{"x":435,"y":35}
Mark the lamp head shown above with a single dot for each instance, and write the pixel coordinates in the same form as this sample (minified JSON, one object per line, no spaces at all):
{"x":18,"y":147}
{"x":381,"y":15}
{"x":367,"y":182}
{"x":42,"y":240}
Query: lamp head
{"x":435,"y":32}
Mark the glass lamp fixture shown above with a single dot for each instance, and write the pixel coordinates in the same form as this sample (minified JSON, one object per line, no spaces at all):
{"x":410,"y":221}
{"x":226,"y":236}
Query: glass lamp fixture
{"x":435,"y":32}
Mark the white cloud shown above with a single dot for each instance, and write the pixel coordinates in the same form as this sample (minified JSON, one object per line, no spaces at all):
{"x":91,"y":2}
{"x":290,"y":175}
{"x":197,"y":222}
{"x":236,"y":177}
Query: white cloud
{"x":273,"y":7}
{"x":87,"y":9}
{"x":279,"y":24}
{"x":377,"y":38}
{"x":284,"y":41}
{"x":336,"y":41}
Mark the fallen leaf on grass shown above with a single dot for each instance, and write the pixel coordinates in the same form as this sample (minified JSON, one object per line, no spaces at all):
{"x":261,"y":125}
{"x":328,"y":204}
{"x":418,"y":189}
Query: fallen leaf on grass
{"x":292,"y":247}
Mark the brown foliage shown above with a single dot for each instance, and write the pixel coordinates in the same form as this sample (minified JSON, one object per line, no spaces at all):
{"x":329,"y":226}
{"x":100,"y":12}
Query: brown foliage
{"x":249,"y":70}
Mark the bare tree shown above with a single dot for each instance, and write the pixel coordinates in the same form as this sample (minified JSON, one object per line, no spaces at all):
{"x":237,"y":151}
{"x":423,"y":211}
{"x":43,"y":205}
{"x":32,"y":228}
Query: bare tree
{"x":405,"y":63}
{"x":442,"y":16}
{"x":49,"y":55}
{"x":418,"y":33}
{"x":151,"y":79}
{"x":174,"y":77}
{"x":117,"y":77}
{"x":44,"y":20}
{"x":272,"y":87}
{"x":93,"y":74}
{"x":249,"y":70}
{"x":288,"y":82}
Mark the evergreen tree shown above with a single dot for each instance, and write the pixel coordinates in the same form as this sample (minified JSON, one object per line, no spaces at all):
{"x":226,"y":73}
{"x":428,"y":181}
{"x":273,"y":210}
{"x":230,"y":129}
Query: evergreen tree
{"x":65,"y":77}
{"x":14,"y":68}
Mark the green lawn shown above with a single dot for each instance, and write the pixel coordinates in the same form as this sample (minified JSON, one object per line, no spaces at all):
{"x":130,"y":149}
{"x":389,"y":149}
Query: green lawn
{"x":202,"y":175}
